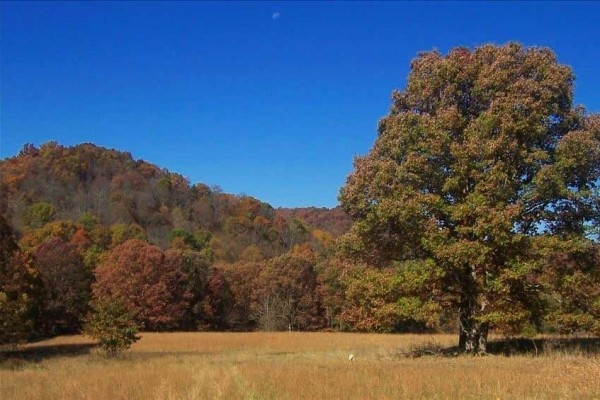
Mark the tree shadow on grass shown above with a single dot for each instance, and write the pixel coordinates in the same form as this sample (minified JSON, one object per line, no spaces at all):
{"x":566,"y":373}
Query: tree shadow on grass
{"x":39,"y":353}
{"x":589,"y":346}
{"x":19,"y":358}
{"x":546,"y":346}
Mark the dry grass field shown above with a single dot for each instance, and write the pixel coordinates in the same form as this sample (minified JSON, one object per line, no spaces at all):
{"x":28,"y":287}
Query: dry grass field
{"x":289,"y":366}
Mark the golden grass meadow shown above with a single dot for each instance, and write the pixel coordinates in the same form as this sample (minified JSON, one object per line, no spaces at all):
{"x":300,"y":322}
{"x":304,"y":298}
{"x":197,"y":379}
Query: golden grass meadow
{"x":289,"y":366}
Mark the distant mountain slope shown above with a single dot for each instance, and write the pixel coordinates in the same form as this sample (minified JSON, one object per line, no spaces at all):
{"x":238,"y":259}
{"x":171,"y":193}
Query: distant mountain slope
{"x":116,"y":188}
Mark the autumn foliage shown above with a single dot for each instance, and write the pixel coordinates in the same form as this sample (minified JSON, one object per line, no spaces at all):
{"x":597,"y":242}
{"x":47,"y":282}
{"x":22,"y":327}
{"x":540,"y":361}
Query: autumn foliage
{"x":476,"y":210}
{"x":67,"y":290}
{"x":20,"y":290}
{"x":150,"y":283}
{"x":482,"y":171}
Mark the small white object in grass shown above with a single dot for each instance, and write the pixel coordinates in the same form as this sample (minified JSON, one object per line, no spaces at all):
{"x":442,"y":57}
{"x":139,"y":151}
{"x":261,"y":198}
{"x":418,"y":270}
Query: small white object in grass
{"x":351,"y":358}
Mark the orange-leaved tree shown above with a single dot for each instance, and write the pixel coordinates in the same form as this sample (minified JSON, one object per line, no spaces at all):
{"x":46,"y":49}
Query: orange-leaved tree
{"x":150,"y":283}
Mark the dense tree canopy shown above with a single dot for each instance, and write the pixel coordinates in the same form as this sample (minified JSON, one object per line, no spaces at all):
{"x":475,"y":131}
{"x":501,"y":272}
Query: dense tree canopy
{"x":482,"y":169}
{"x":286,"y":294}
{"x":101,"y":199}
{"x":67,"y":286}
{"x":151,"y":284}
{"x":115,"y":198}
{"x":20,"y":289}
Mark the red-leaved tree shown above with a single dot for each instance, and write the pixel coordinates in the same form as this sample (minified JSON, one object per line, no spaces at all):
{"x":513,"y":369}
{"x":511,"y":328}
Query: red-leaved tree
{"x":151,"y":284}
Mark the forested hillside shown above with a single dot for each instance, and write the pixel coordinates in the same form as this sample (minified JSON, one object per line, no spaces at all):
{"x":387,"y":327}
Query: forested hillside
{"x":88,"y":219}
{"x":334,"y":221}
{"x":56,"y":183}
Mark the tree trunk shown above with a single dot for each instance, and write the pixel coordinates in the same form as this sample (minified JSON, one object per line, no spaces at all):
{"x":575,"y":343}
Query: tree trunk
{"x":472,"y":333}
{"x":483,"y":337}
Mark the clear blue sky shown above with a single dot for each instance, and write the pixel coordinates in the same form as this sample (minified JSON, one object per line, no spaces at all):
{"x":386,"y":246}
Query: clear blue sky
{"x":268,"y":99}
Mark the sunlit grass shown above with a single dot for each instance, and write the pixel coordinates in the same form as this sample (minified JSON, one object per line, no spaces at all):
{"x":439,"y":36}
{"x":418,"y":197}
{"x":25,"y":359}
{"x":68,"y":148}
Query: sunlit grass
{"x":289,"y":366}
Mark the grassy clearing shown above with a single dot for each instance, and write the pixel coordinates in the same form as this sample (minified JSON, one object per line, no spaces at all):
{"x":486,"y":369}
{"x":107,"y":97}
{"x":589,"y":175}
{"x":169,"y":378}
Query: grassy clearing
{"x":289,"y":366}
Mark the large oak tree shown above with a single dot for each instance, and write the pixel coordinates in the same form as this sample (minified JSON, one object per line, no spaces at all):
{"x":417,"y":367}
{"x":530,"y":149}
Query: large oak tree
{"x":482,"y":171}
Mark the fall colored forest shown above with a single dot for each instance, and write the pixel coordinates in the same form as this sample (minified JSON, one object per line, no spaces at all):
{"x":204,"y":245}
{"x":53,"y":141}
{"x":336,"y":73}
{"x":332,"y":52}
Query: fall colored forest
{"x":97,"y":222}
{"x":477,"y":209}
